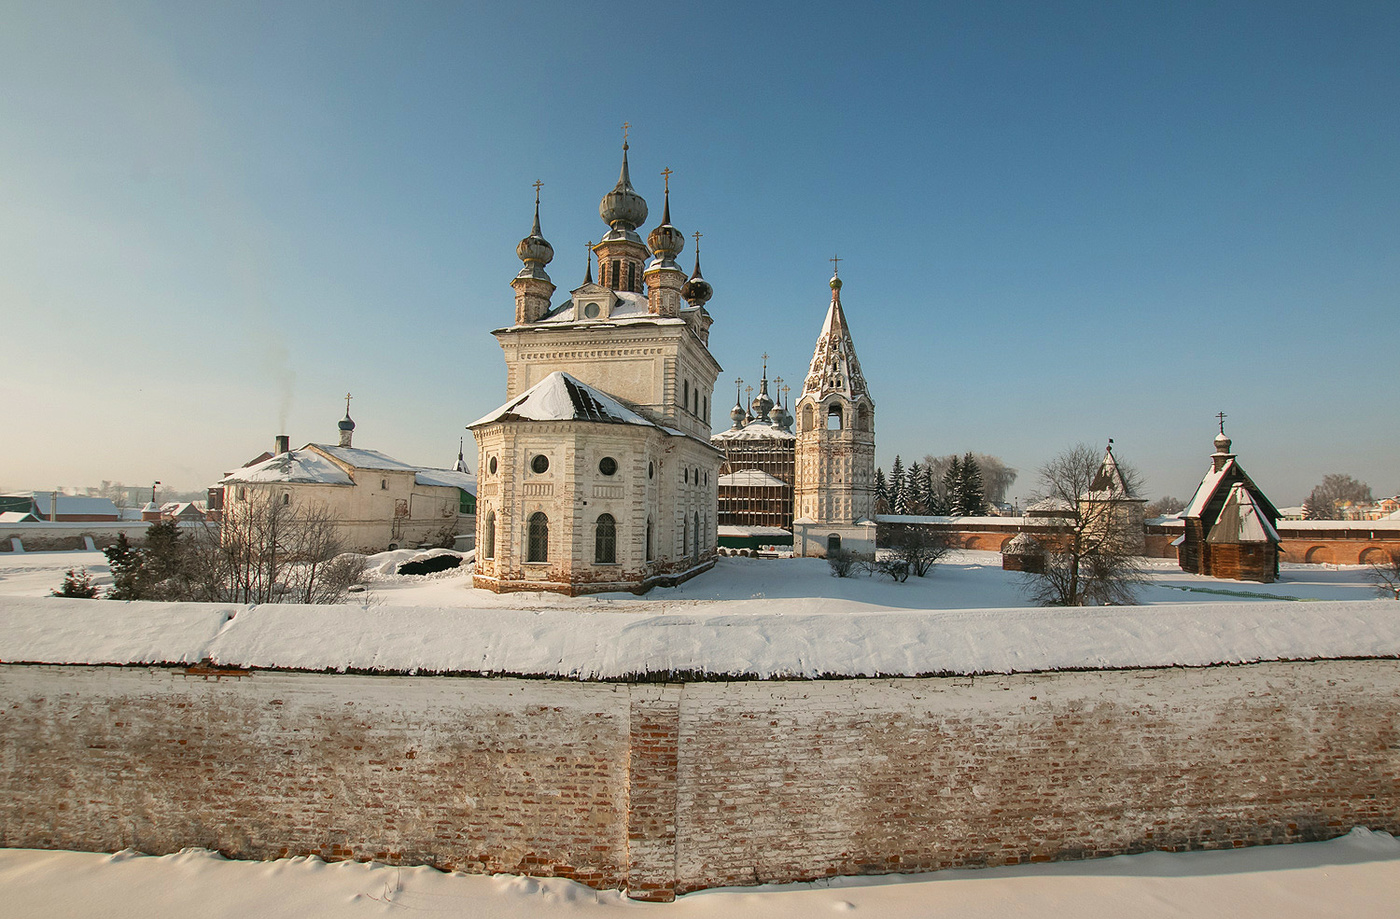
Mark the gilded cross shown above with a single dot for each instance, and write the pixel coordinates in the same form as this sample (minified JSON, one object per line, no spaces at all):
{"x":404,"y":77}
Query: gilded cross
{"x":1221,"y":416}
{"x":697,"y":234}
{"x":835,"y":264}
{"x":765,"y":365}
{"x":625,"y":126}
{"x":666,"y":174}
{"x":538,"y":184}
{"x":347,"y":403}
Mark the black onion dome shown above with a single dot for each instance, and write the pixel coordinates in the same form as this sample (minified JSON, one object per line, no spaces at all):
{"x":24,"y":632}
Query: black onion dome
{"x":697,"y":291}
{"x":535,"y":248}
{"x":666,"y":242}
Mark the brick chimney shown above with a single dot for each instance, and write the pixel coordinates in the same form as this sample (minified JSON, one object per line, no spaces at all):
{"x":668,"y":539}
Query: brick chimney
{"x":282,"y":444}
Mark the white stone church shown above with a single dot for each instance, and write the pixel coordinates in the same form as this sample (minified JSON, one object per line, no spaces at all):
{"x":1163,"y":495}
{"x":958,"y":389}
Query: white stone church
{"x":597,"y":473}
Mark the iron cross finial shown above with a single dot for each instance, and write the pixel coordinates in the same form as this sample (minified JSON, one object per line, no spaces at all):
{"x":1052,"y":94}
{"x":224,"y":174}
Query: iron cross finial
{"x":835,"y":264}
{"x":347,"y":403}
{"x":538,"y":184}
{"x":1221,"y":416}
{"x":697,"y":234}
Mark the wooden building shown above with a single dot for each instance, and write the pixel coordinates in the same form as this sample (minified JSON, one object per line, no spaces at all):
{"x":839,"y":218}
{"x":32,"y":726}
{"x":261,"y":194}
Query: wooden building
{"x":1230,"y":525}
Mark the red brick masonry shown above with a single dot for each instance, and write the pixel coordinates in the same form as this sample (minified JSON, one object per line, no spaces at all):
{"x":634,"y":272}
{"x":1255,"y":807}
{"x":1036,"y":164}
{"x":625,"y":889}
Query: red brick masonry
{"x":666,"y":788}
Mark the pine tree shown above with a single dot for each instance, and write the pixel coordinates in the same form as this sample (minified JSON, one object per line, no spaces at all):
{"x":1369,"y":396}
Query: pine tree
{"x":898,"y":499}
{"x":914,"y":488}
{"x":924,"y":490}
{"x":937,"y":504}
{"x":77,"y":584}
{"x":125,"y":562}
{"x":882,"y":493}
{"x":952,"y":487}
{"x":973,"y":499}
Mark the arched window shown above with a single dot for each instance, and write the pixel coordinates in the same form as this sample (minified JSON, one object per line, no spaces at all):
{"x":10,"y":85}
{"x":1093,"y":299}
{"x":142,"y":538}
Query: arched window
{"x":862,"y":417}
{"x":605,"y":540}
{"x":538,"y":550}
{"x":649,"y":540}
{"x":695,"y":547}
{"x":616,"y":274}
{"x":632,"y":277}
{"x":488,"y":535}
{"x":685,"y":540}
{"x":706,"y":414}
{"x":833,"y":417}
{"x":808,"y":419}
{"x":685,"y":395}
{"x":833,"y":544}
{"x":286,"y":499}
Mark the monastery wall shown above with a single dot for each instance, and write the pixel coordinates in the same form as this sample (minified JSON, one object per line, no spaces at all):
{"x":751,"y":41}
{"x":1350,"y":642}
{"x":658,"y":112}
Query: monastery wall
{"x":665,"y":788}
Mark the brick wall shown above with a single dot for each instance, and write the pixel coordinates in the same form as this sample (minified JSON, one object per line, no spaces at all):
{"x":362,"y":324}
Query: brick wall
{"x":665,"y":788}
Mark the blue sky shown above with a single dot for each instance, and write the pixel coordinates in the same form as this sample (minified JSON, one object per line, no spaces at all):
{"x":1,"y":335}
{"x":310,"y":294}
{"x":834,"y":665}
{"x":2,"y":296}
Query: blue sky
{"x":1058,"y":222}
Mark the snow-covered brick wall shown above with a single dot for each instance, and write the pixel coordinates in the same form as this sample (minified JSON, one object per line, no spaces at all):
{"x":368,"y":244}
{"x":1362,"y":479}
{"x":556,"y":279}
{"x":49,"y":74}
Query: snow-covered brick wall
{"x":667,"y":787}
{"x":753,"y":638}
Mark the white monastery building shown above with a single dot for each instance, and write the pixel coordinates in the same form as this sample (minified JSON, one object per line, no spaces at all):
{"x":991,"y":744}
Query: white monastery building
{"x":597,"y":473}
{"x":378,"y":502}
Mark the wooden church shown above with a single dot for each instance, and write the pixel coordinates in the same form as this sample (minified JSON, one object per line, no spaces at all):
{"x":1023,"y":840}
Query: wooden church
{"x":1230,"y":524}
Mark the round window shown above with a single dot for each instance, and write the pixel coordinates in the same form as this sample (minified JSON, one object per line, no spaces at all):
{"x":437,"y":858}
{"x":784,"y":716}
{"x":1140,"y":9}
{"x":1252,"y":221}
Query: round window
{"x":651,"y":470}
{"x":491,"y":465}
{"x":540,"y":463}
{"x":590,"y":311}
{"x":607,"y":466}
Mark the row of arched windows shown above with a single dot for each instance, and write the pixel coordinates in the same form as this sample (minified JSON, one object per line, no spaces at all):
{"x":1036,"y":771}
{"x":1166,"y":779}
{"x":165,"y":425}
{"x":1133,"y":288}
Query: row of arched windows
{"x":604,"y":538}
{"x":692,"y":401}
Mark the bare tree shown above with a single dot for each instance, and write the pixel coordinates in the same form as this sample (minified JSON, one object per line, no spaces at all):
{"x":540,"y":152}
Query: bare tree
{"x":1386,"y":575}
{"x":918,"y":549}
{"x":1165,"y":505}
{"x":997,"y":477}
{"x":1092,"y":560}
{"x":1326,"y":501}
{"x":268,"y":551}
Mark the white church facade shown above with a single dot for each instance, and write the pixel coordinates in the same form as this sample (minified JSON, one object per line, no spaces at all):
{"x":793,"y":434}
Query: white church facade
{"x":597,"y":473}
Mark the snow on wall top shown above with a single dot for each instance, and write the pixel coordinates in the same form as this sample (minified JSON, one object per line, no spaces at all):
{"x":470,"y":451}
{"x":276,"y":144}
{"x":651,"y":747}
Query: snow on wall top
{"x":750,"y":478}
{"x":757,"y":638}
{"x":755,"y":431}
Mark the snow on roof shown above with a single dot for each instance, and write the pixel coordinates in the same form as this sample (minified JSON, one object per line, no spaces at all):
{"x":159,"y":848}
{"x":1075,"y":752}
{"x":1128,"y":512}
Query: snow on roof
{"x":1387,"y":525}
{"x":1240,"y":520}
{"x":362,"y":459}
{"x":1023,"y":544}
{"x":76,"y":504}
{"x":1108,"y":483}
{"x":1050,"y":505}
{"x":755,"y":431}
{"x":300,"y":466}
{"x":784,"y":640}
{"x":563,"y":397}
{"x":449,"y":478}
{"x":1197,"y":505}
{"x":728,"y":530}
{"x":751,"y":478}
{"x":17,"y":517}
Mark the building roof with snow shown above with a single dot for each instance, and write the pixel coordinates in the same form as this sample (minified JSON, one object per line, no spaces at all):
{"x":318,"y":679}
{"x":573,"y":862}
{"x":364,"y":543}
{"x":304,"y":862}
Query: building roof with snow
{"x":1241,"y":521}
{"x":447,"y":478}
{"x":563,"y":397}
{"x":751,"y":478}
{"x":1108,"y":483}
{"x":304,"y":466}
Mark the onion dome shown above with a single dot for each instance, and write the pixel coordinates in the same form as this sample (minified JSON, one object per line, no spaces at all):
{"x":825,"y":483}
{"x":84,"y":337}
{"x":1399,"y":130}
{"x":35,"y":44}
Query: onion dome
{"x":737,"y":415}
{"x":697,"y":291}
{"x":1222,"y":443}
{"x":835,"y":282}
{"x":346,"y":424}
{"x":666,"y":242}
{"x":534,"y":250}
{"x":622,"y":208}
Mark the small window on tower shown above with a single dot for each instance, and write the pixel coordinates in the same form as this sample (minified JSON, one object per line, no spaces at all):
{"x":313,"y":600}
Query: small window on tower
{"x":590,"y":311}
{"x":616,"y":273}
{"x":540,"y":464}
{"x":383,"y":484}
{"x":607,"y":466}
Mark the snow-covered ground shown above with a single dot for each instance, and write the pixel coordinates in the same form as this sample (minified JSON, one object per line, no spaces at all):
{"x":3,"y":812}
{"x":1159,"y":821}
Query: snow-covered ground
{"x":963,"y":580}
{"x":1356,"y":876}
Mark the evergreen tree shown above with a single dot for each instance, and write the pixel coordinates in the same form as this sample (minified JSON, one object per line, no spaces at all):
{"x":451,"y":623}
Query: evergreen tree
{"x":914,"y":488}
{"x":937,"y":504}
{"x":897,"y":486}
{"x":125,"y":562}
{"x":971,"y":495}
{"x":925,"y":490}
{"x":952,"y":486}
{"x":882,"y":493}
{"x":77,"y":584}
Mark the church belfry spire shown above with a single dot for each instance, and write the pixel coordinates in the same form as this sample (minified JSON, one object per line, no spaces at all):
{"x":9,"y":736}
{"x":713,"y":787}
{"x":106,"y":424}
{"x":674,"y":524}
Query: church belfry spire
{"x":533,"y":287}
{"x":663,"y":276}
{"x":621,"y":253}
